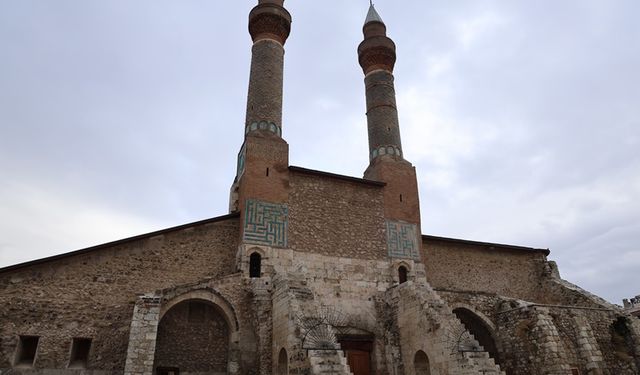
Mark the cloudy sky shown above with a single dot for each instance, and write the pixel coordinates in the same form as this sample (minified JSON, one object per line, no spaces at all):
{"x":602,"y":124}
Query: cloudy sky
{"x":121,"y":117}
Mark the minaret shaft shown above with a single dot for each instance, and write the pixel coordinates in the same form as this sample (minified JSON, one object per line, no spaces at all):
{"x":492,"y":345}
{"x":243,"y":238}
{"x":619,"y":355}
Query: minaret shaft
{"x":382,"y":115}
{"x":264,"y":99}
{"x":269,"y":26}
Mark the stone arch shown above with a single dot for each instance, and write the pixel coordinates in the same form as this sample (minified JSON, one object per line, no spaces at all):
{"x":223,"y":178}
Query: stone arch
{"x":208,"y":295}
{"x":421,"y":363}
{"x":481,"y":328}
{"x":283,"y":362}
{"x":485,"y":319}
{"x":197,"y":332}
{"x":396,"y":268}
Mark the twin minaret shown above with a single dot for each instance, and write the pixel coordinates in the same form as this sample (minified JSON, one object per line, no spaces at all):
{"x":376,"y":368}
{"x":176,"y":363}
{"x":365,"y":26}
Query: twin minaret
{"x":262,"y":174}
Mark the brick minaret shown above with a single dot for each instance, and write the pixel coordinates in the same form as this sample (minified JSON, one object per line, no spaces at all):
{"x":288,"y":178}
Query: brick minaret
{"x":377,"y":56}
{"x":264,"y":157}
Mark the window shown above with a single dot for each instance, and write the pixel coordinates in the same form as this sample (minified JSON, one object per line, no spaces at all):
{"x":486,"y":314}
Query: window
{"x":254,"y":265}
{"x":402,"y":274}
{"x":80,"y":352}
{"x":27,"y":348}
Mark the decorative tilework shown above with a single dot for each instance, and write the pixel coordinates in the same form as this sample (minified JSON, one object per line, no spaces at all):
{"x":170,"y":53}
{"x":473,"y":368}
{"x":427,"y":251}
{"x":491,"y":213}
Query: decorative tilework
{"x":266,"y":223}
{"x":385,"y":150}
{"x":263,"y":125}
{"x":402,"y":240}
{"x":241,"y":158}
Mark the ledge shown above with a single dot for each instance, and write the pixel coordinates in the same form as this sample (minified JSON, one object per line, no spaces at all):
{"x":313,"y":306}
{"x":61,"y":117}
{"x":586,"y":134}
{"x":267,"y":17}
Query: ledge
{"x":489,"y":245}
{"x":336,"y":176}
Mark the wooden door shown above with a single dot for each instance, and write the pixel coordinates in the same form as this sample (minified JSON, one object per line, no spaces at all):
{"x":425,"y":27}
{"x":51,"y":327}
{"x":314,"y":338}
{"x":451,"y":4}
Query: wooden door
{"x":359,"y":361}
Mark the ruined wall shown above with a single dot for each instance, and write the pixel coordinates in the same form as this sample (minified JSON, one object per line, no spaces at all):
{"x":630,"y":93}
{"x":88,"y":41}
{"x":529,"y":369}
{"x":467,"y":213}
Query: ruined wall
{"x":466,"y":267}
{"x":555,"y":340}
{"x":92,"y":294}
{"x":330,"y":216}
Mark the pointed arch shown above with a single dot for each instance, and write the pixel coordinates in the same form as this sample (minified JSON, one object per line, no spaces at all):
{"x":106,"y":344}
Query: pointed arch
{"x":480,"y":329}
{"x":283,"y":362}
{"x":421,"y":363}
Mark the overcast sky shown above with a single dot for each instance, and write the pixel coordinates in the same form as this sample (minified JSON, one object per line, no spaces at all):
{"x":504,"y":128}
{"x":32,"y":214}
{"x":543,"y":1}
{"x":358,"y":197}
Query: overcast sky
{"x":522,"y":118}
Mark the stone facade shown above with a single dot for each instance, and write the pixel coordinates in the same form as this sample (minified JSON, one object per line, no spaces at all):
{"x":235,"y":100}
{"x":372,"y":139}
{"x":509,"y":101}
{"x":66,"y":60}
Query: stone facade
{"x":311,"y":273}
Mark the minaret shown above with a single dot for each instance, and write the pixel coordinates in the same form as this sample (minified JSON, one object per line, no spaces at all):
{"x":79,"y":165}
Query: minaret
{"x":263,"y":159}
{"x":377,"y":57}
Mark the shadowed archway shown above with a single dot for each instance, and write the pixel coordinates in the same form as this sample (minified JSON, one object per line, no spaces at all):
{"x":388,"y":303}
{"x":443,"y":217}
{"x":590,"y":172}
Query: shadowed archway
{"x":477,"y":327}
{"x":193,"y":337}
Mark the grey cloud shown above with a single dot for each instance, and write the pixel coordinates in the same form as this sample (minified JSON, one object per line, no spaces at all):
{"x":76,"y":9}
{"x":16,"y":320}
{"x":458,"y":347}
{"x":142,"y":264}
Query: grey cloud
{"x":135,"y":110}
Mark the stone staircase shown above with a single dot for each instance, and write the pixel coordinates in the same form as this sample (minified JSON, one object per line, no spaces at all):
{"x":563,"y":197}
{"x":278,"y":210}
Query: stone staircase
{"x":433,"y":311}
{"x":328,"y":362}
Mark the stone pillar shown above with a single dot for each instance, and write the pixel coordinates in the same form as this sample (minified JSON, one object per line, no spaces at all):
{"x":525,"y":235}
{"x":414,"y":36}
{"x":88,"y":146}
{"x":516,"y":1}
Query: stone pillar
{"x":261,"y":299}
{"x":588,"y":348}
{"x":546,"y":339}
{"x":142,"y":336}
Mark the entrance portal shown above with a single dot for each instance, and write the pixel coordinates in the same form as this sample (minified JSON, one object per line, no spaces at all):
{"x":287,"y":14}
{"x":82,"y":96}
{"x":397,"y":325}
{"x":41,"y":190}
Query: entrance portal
{"x":358,"y":353}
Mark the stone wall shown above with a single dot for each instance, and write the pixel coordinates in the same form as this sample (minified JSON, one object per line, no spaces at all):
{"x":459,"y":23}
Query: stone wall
{"x":92,"y":294}
{"x":540,"y":339}
{"x":576,"y":334}
{"x":336,"y":217}
{"x":482,"y":268}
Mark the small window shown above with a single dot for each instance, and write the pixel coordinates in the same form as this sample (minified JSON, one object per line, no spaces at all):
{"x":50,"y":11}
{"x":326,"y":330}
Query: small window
{"x":402,"y":274}
{"x":575,"y":371}
{"x":255,"y":266}
{"x":27,"y":349}
{"x":283,"y":362}
{"x":80,"y":352}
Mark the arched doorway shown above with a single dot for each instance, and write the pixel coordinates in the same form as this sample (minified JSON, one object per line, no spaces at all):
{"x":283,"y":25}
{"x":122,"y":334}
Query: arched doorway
{"x":193,"y":336}
{"x":283,"y":362}
{"x":421,"y":363}
{"x":477,"y":327}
